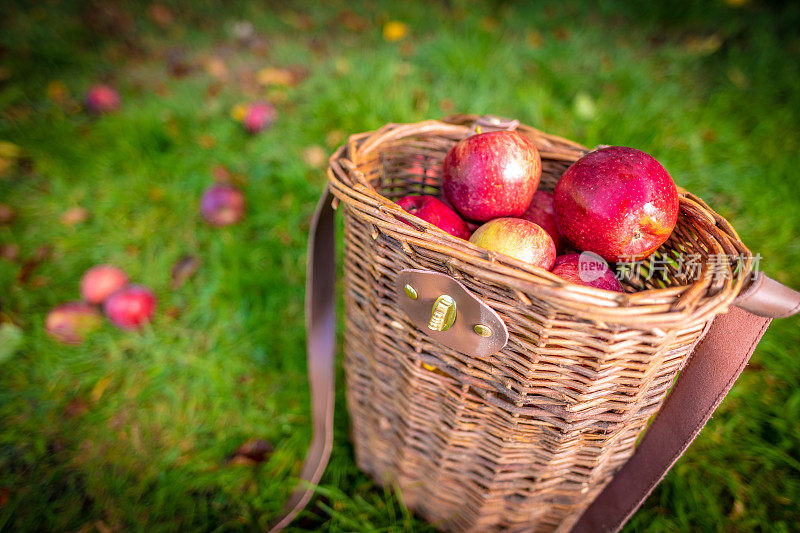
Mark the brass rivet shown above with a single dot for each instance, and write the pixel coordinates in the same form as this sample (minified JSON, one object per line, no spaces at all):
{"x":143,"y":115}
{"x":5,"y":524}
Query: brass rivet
{"x":411,"y":292}
{"x":483,"y":330}
{"x":443,"y":313}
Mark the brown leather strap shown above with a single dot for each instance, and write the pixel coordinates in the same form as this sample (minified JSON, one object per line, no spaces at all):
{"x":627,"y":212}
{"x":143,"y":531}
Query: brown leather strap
{"x":710,"y":372}
{"x":321,"y":347}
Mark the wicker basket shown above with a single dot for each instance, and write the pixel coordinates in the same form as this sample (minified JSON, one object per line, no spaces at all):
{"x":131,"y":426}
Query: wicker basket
{"x":523,"y":439}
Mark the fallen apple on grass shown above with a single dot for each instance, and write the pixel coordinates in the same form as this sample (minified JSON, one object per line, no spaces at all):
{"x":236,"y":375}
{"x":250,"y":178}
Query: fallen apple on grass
{"x":101,"y":99}
{"x":586,"y":269}
{"x":258,"y":116}
{"x":100,"y":281}
{"x":521,"y":239}
{"x":617,"y":202}
{"x":491,"y":175}
{"x":222,"y":205}
{"x":70,"y":322}
{"x":131,"y":307}
{"x":432,"y":210}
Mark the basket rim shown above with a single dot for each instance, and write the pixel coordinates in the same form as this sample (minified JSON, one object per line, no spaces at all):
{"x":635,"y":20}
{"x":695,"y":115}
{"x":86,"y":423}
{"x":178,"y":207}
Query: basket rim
{"x":699,"y":300}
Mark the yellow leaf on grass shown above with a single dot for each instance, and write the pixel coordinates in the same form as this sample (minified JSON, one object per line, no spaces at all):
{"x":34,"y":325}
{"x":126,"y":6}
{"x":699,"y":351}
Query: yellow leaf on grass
{"x":238,"y":111}
{"x":394,"y":30}
{"x":57,"y":91}
{"x":99,"y":388}
{"x":275,"y":76}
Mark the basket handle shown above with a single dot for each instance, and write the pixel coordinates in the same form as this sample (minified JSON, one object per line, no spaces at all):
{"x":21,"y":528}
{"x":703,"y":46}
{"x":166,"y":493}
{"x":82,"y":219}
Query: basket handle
{"x":321,"y":347}
{"x":717,"y":360}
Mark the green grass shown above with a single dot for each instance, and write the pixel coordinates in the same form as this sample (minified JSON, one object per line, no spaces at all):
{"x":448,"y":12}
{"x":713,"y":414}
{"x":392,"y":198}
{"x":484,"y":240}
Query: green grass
{"x":711,"y":90}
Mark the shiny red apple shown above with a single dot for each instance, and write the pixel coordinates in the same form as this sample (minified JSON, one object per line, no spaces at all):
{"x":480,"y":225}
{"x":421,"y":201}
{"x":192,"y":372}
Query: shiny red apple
{"x":518,"y":238}
{"x":542,"y":211}
{"x":258,"y":116}
{"x":131,"y":307}
{"x":432,"y":210}
{"x":70,"y":322}
{"x":100,"y":281}
{"x":617,"y":202}
{"x":491,"y":175}
{"x":222,"y":205}
{"x":586,"y":269}
{"x":101,"y":99}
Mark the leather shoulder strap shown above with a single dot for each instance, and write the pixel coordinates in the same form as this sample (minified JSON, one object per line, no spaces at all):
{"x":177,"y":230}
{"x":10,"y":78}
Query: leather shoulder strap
{"x":708,"y":375}
{"x":321,"y":348}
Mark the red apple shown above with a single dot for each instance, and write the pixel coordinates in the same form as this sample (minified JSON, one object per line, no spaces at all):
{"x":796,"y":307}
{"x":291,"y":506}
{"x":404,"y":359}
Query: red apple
{"x":258,"y":116}
{"x":432,"y":210}
{"x":100,"y":281}
{"x":518,"y":238}
{"x":72,"y":321}
{"x":101,"y":99}
{"x":491,"y":175}
{"x":586,"y":269}
{"x":131,"y":307}
{"x":542,"y":211}
{"x":222,"y":205}
{"x":617,"y":202}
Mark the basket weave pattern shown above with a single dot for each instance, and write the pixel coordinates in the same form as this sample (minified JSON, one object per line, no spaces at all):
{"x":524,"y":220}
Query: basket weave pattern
{"x":524,"y":439}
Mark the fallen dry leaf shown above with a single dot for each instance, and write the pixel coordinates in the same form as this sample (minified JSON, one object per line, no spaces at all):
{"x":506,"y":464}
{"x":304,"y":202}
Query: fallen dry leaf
{"x":9,"y":252}
{"x":315,"y":156}
{"x":394,"y":30}
{"x":27,"y":268}
{"x":183,"y":270}
{"x":206,"y":141}
{"x":352,"y":21}
{"x":57,"y":91}
{"x":177,"y":64}
{"x":5,"y":495}
{"x":99,"y":388}
{"x":334,"y":138}
{"x":6,"y":214}
{"x":74,"y":215}
{"x":286,"y":77}
{"x":215,"y":66}
{"x":251,"y":452}
{"x":160,"y":14}
{"x":221,"y":174}
{"x":75,"y":408}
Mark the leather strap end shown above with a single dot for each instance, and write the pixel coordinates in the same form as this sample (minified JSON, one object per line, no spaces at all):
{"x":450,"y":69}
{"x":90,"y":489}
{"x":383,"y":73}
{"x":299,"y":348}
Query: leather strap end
{"x":768,"y":298}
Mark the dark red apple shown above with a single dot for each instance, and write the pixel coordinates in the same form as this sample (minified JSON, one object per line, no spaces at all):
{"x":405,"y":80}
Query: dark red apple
{"x":70,"y":322}
{"x":100,"y":281}
{"x":586,"y":269}
{"x":542,"y":211}
{"x":432,"y":210}
{"x":258,"y":116}
{"x":222,"y":205}
{"x":491,"y":175}
{"x":101,"y":99}
{"x":518,"y":238}
{"x":617,"y":202}
{"x":131,"y":307}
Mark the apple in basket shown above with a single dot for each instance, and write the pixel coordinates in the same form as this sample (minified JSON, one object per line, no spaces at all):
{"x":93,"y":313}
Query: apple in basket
{"x":434,"y":211}
{"x":542,"y":211}
{"x":586,"y":269}
{"x":617,"y":202}
{"x":521,"y":239}
{"x":491,"y":175}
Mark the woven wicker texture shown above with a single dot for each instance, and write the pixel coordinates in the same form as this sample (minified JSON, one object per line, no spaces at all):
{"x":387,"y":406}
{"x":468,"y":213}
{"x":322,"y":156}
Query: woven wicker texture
{"x":522,"y":440}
